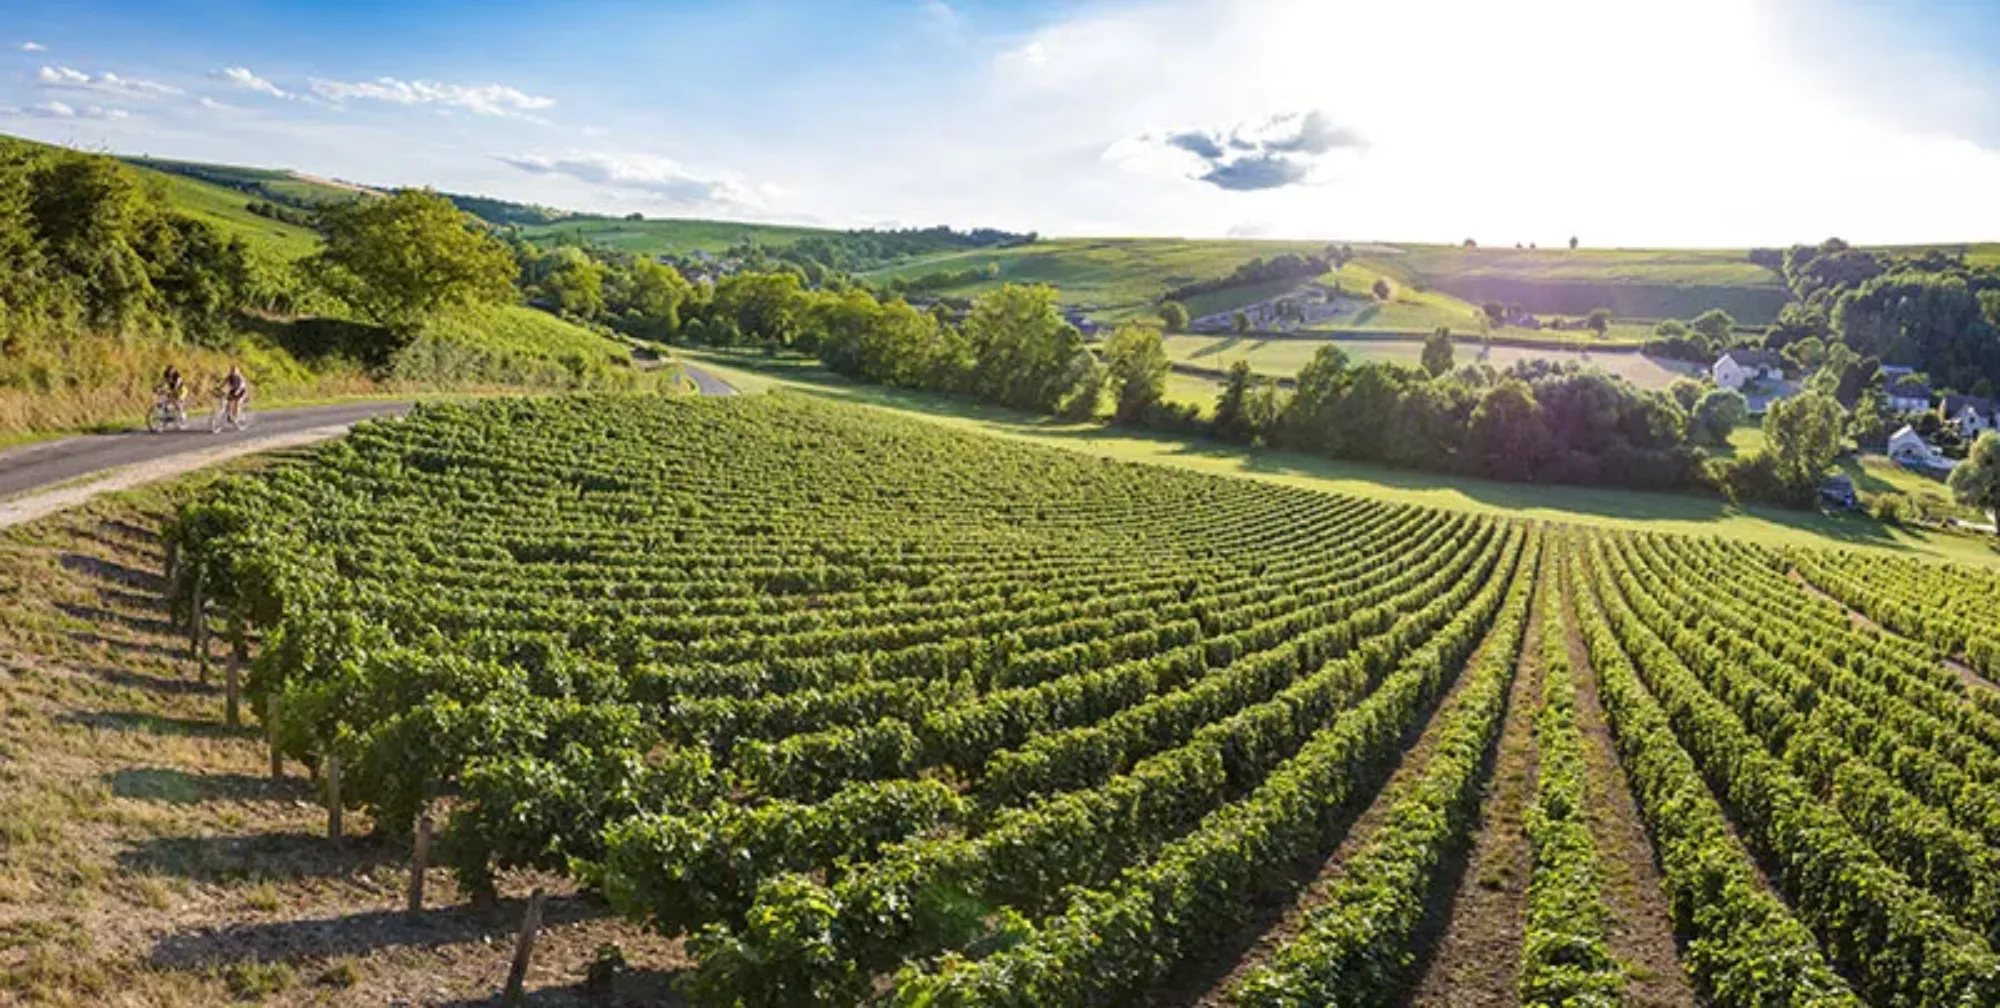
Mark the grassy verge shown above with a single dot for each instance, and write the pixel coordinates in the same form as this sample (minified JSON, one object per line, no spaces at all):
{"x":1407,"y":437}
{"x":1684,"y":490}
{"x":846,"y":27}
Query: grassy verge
{"x":1659,"y":512}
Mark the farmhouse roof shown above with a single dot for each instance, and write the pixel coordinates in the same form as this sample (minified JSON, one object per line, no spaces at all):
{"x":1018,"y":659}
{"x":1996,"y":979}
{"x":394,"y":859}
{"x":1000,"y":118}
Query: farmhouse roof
{"x":1910,"y":388}
{"x":1746,"y":357}
{"x":1956,"y":404}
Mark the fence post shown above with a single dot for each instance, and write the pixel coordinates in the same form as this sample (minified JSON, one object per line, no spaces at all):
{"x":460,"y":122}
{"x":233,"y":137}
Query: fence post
{"x":524,"y":946}
{"x":333,"y":830}
{"x":198,"y":629}
{"x":271,"y":735}
{"x":420,"y":853}
{"x":233,"y":675}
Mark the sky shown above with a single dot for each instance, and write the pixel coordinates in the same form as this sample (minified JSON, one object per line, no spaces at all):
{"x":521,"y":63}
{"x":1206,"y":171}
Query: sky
{"x":1624,"y":122}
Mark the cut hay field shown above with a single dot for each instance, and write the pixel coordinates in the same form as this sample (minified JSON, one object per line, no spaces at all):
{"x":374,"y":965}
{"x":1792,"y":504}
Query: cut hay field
{"x":1283,"y":357}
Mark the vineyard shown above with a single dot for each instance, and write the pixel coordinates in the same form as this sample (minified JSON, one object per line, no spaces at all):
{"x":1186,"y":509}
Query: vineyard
{"x":871,"y":711}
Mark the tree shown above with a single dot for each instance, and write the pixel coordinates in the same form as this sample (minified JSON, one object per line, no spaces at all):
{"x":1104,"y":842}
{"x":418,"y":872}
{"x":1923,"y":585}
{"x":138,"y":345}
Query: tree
{"x":1496,"y":312}
{"x":1685,"y":392}
{"x":1022,"y":350}
{"x":401,"y":258}
{"x":1717,"y":415}
{"x":1806,"y":354}
{"x":1715,"y":324}
{"x":1598,"y":320}
{"x":1174,"y":316}
{"x":1240,"y":322}
{"x":1572,"y":243}
{"x":1803,"y":435}
{"x":1381,"y":289}
{"x":578,"y":288}
{"x":1136,"y":365}
{"x":1508,"y":434}
{"x":652,"y":293}
{"x":1232,"y":419}
{"x":1437,"y":352}
{"x":768,"y":307}
{"x":1975,"y":482}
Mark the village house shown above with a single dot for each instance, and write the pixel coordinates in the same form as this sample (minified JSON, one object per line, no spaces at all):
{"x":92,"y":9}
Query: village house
{"x":1908,"y":448}
{"x":1969,"y":415}
{"x":1735,"y":368}
{"x":1908,"y":395}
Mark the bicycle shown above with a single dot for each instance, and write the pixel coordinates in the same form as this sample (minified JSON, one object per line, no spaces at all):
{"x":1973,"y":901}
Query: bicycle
{"x":167,"y":413}
{"x":221,"y":419}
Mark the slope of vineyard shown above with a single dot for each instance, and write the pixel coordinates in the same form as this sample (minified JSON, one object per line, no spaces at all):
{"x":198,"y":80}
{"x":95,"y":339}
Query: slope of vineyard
{"x":875,"y":711}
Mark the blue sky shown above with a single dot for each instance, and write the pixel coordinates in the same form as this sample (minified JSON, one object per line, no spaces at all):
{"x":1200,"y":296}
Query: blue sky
{"x":1640,"y":122}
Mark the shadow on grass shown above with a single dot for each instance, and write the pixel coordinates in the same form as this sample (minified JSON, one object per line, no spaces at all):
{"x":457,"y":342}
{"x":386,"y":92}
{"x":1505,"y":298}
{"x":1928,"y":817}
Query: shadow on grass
{"x":156,"y":684}
{"x":178,"y":787}
{"x":637,"y":987}
{"x":361,"y":934}
{"x":264,"y":856}
{"x":111,"y":570}
{"x":157,"y":724}
{"x":137,"y":624}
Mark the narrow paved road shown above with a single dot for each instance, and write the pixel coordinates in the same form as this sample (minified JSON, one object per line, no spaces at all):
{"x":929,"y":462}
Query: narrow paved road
{"x":43,"y":465}
{"x":707,"y":383}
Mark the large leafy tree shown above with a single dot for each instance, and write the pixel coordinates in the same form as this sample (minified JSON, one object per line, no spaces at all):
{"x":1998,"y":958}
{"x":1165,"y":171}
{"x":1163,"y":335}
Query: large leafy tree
{"x":1137,"y":366}
{"x":1803,"y":435}
{"x":1437,"y":352}
{"x":1717,"y":414}
{"x":1975,"y":482}
{"x":1022,"y":350}
{"x":401,"y":258}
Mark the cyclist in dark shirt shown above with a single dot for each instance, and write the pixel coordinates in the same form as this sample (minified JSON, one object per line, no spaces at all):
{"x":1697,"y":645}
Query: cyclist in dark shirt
{"x":235,"y":392}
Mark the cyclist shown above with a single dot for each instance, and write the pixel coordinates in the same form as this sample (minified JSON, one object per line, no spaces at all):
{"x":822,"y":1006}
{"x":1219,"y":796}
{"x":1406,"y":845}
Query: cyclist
{"x":235,"y":392}
{"x":172,"y":392}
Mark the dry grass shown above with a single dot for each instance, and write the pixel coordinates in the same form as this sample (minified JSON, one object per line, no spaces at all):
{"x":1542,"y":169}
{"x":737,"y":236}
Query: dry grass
{"x":146,"y":858}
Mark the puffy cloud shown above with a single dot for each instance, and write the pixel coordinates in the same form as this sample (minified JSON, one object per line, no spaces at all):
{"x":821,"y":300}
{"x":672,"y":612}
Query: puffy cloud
{"x":33,"y":47}
{"x":483,"y":99}
{"x":106,"y":83}
{"x":659,"y":177}
{"x":241,"y":77}
{"x":1279,"y":151}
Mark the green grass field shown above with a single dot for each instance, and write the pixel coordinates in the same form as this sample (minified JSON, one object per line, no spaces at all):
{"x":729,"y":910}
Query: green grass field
{"x":661,"y":237}
{"x":1658,"y":512}
{"x":224,"y":208}
{"x":1284,"y":357}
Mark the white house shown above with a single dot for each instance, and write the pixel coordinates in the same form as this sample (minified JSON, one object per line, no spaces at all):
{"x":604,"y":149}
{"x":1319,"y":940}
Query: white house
{"x":1969,"y":414}
{"x":1737,"y":367}
{"x":1908,"y":395}
{"x":1908,"y":448}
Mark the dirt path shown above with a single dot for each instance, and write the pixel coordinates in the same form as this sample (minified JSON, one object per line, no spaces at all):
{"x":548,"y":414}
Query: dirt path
{"x":1476,"y":962}
{"x":1641,"y":926}
{"x":147,"y":858}
{"x":1965,"y":673}
{"x":1280,"y":917}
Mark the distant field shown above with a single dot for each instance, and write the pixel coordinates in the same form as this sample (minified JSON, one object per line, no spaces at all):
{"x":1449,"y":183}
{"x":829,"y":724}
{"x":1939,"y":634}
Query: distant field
{"x":1284,"y":357}
{"x":663,"y":237}
{"x":224,"y":208}
{"x":1116,"y":278}
{"x":277,"y":182}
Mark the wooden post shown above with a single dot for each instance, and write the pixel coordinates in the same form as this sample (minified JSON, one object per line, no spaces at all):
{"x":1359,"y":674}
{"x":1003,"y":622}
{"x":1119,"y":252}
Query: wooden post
{"x":420,"y":854}
{"x":524,"y":946}
{"x":173,"y":561}
{"x":271,"y":734}
{"x":238,"y":644}
{"x":198,"y":630}
{"x":333,"y":831}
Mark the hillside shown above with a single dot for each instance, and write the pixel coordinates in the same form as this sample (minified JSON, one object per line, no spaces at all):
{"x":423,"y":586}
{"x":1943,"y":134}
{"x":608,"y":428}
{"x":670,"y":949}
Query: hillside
{"x":667,"y":236}
{"x":274,"y":184}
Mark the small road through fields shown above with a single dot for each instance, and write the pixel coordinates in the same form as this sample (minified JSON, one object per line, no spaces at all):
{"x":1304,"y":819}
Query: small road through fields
{"x":29,"y":473}
{"x":43,"y":465}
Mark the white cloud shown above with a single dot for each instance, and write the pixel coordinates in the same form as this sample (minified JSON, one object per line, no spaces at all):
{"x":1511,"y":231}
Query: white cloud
{"x":482,"y":99}
{"x":105,"y":83}
{"x":33,"y":47}
{"x":661,"y":178}
{"x":63,"y":110}
{"x":241,"y":77}
{"x":215,"y":106}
